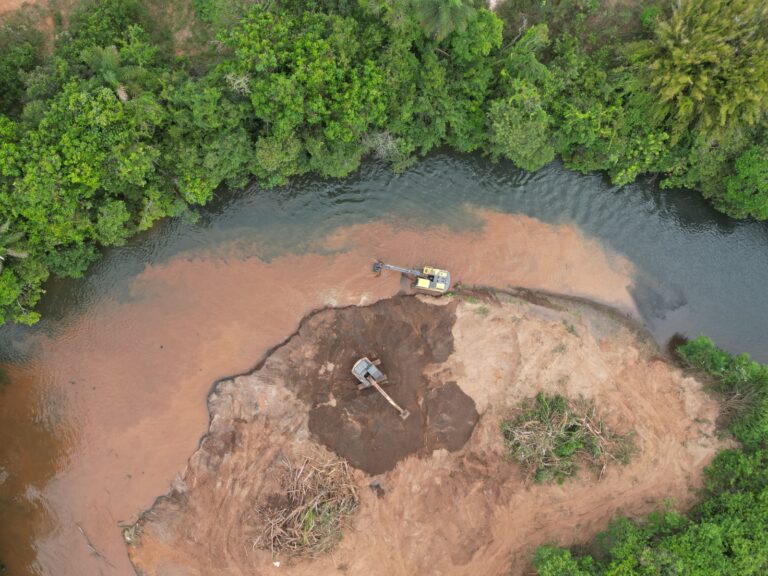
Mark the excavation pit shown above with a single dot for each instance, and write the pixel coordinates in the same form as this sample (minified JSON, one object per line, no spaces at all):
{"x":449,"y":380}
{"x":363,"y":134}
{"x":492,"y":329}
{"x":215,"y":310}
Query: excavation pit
{"x":408,"y":336}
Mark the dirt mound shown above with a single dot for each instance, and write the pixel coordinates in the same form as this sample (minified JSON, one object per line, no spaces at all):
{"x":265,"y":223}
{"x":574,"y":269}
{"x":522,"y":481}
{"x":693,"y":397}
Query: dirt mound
{"x":445,"y":500}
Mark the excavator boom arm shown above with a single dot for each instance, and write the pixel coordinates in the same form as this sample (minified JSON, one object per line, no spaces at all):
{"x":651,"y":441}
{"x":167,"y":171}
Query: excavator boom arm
{"x":403,"y":413}
{"x":379,"y":266}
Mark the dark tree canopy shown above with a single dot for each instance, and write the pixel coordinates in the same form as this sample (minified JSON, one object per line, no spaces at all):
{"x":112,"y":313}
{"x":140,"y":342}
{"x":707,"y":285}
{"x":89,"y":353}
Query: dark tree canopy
{"x":129,"y":115}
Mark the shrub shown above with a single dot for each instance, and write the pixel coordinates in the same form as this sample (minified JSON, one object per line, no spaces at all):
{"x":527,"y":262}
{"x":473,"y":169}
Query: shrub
{"x":551,"y":434}
{"x":742,"y":383}
{"x":649,"y":17}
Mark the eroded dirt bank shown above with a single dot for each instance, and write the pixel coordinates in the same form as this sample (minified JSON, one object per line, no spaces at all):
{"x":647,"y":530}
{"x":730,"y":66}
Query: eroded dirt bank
{"x":10,"y":5}
{"x":450,"y":503}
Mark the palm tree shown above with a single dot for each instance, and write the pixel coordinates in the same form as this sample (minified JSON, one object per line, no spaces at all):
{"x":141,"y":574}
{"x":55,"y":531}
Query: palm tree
{"x":9,"y":244}
{"x":708,"y":64}
{"x":105,"y":64}
{"x":440,"y":18}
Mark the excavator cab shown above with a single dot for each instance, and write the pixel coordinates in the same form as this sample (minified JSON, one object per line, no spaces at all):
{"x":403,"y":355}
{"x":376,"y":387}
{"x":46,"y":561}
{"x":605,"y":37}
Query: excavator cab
{"x":365,"y":368}
{"x":368,"y":375}
{"x":434,"y":280}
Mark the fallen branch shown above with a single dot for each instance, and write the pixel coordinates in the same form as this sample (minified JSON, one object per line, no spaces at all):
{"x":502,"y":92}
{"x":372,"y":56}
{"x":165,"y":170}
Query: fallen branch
{"x":307,"y":518}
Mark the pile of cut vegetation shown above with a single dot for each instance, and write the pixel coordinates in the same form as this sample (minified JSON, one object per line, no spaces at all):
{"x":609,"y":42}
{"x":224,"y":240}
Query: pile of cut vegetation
{"x":551,"y":434}
{"x":319,"y":496}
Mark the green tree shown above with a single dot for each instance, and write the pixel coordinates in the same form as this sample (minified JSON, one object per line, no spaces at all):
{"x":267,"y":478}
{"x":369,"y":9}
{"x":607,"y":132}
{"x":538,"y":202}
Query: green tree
{"x":10,"y":243}
{"x":10,"y":152}
{"x":88,"y":149}
{"x":310,"y":77}
{"x":521,"y":128}
{"x":708,"y":65}
{"x":440,"y":18}
{"x":126,"y":70}
{"x":105,"y":64}
{"x":207,"y":142}
{"x":20,"y":51}
{"x":746,"y":189}
{"x":471,"y":79}
{"x":553,"y":561}
{"x":739,"y":379}
{"x":101,"y":23}
{"x":417,"y":94}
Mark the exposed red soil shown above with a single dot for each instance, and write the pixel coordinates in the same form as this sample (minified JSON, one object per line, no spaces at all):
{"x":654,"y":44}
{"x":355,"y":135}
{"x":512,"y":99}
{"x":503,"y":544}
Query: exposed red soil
{"x":129,"y":377}
{"x":9,"y":5}
{"x":466,"y":510}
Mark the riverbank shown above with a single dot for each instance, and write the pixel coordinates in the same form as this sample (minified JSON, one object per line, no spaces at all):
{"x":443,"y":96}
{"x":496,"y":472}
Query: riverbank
{"x":113,"y":401}
{"x":477,"y":355}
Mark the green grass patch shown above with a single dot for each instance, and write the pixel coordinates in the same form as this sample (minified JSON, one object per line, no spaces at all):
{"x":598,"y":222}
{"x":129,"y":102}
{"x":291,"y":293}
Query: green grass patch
{"x":482,"y":311}
{"x":570,"y":328}
{"x":551,"y":435}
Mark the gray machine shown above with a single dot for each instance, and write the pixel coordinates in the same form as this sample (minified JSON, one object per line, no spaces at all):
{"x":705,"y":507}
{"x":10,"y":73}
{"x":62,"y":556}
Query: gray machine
{"x":368,"y":375}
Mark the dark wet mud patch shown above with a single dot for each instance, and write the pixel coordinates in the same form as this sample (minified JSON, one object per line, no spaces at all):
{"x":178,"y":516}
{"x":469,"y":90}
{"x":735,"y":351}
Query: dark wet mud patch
{"x":407,"y":335}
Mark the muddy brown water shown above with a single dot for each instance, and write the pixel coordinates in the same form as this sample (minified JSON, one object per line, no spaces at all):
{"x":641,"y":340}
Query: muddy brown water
{"x":101,"y":404}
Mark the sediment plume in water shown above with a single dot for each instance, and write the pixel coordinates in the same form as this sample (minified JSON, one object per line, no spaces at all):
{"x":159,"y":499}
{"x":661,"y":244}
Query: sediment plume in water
{"x":129,"y":379}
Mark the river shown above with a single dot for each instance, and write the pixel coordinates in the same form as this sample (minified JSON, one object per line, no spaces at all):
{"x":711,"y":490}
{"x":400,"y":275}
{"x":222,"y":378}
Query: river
{"x":103,"y":401}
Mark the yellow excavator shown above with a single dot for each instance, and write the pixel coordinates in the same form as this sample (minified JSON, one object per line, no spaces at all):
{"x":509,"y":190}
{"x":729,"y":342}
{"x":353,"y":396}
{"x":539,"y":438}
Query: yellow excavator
{"x":427,"y":279}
